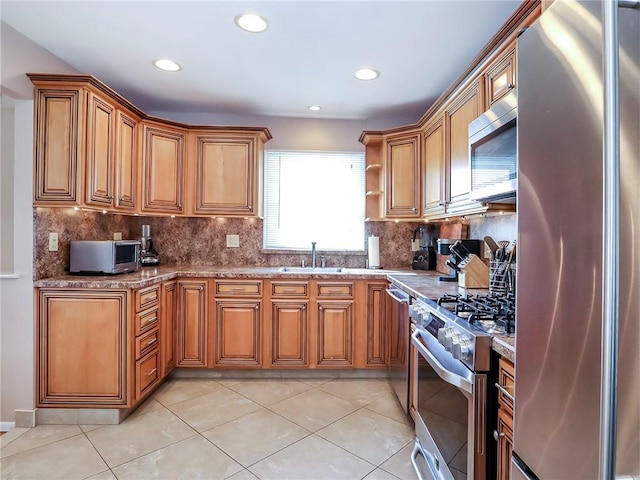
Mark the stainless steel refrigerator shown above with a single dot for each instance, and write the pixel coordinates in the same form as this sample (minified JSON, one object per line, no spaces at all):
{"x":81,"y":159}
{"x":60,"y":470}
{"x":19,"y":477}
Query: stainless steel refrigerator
{"x":577,"y":371}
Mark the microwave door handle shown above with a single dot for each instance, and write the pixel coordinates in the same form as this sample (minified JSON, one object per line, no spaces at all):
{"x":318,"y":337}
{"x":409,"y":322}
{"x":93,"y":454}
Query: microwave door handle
{"x":445,"y":374}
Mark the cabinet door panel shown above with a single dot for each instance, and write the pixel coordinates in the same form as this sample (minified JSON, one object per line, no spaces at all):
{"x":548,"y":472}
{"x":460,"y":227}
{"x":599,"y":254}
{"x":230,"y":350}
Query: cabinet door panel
{"x":100,"y":158}
{"x":290,"y":336}
{"x":126,"y":161}
{"x":465,"y":110}
{"x":376,"y":325}
{"x":335,"y":333}
{"x":168,"y":328}
{"x":82,"y":356}
{"x":501,"y":78}
{"x":434,"y":168}
{"x":403,"y":177}
{"x":225,"y":176}
{"x":58,"y":147}
{"x":192,"y":324}
{"x":163,"y":170}
{"x":237,"y":332}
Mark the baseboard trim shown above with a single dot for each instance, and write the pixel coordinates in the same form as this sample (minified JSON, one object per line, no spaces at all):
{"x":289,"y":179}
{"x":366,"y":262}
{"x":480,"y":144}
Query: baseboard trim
{"x":25,"y":418}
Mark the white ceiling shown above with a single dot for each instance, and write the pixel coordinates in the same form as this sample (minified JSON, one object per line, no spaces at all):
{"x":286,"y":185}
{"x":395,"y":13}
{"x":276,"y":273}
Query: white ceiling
{"x":306,"y":56}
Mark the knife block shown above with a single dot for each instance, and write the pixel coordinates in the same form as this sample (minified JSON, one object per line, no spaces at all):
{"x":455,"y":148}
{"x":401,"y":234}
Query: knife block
{"x":474,"y":273}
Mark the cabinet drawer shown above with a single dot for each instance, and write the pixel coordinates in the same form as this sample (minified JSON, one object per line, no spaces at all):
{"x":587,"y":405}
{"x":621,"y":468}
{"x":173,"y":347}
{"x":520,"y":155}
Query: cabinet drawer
{"x":238,"y":288}
{"x":147,"y":297}
{"x":335,"y":290}
{"x":290,"y":289}
{"x":146,"y":343}
{"x":506,"y":381}
{"x":146,"y":321}
{"x":147,"y":373}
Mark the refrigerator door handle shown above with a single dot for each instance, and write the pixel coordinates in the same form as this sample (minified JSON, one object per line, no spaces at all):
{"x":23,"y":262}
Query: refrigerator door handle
{"x":520,"y":470}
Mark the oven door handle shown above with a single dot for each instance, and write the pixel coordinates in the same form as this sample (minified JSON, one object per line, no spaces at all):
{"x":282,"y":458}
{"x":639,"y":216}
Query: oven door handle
{"x":446,"y":375}
{"x":390,"y":292}
{"x":417,"y":450}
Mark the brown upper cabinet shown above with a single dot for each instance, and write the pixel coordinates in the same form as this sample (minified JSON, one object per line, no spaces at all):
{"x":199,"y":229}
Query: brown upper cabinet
{"x":501,"y":76}
{"x":402,"y":174}
{"x":95,"y":149}
{"x":434,"y":167}
{"x":466,"y":107}
{"x":163,"y":169}
{"x":441,"y":174}
{"x":59,"y":145}
{"x":227,"y":173}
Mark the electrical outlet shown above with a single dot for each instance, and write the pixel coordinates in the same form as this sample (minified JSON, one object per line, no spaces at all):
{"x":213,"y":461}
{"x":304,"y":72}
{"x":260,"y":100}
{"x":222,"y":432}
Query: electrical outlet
{"x":117,"y":235}
{"x":233,"y":241}
{"x":53,"y":241}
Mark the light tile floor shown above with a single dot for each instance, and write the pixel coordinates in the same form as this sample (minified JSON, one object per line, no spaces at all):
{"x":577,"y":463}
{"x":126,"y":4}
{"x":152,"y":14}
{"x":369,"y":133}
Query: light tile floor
{"x":229,"y":429}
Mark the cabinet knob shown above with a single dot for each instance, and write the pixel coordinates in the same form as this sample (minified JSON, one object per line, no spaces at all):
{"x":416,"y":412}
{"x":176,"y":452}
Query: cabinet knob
{"x":180,"y":206}
{"x":497,"y":436}
{"x":122,"y":198}
{"x":257,"y":307}
{"x":201,"y":289}
{"x":321,"y":307}
{"x":304,"y":307}
{"x":510,"y":85}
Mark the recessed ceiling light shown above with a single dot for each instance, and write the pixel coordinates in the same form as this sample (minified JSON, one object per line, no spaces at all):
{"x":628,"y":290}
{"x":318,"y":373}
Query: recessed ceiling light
{"x":366,"y":74}
{"x":167,"y":65}
{"x":314,"y":108}
{"x":251,"y":22}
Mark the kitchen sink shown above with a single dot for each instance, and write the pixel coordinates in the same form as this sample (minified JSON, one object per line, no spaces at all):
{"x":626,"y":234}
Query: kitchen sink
{"x":312,"y":270}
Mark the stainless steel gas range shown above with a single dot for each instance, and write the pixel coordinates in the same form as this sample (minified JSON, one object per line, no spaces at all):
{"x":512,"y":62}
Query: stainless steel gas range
{"x":450,"y":354}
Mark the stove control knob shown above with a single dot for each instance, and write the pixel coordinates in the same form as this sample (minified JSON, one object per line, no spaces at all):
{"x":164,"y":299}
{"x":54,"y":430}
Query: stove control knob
{"x":461,"y":349}
{"x":451,"y":338}
{"x":442,"y":333}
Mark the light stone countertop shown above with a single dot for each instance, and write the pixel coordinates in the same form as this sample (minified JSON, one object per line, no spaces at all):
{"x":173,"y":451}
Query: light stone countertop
{"x":147,"y":276}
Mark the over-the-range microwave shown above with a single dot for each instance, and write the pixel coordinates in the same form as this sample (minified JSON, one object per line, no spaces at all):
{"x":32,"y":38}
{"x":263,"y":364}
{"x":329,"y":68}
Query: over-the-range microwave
{"x":104,"y":256}
{"x":493,"y":152}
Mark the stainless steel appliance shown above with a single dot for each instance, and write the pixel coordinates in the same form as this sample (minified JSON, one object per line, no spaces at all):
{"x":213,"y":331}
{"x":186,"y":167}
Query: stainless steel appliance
{"x":104,"y":256}
{"x":493,"y":152}
{"x":148,"y":255}
{"x":577,"y":370}
{"x":451,"y":360}
{"x":399,"y":344}
{"x":424,"y":258}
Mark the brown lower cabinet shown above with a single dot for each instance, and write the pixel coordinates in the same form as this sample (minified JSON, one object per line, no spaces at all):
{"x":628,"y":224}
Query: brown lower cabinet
{"x":193,"y":322}
{"x":504,"y":427}
{"x":112,"y":347}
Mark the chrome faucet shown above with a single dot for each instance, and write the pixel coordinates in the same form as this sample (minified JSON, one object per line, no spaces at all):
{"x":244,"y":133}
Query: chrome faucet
{"x":313,"y":254}
{"x":323,"y":262}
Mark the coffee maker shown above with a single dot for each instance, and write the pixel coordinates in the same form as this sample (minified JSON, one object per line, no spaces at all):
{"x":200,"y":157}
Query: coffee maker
{"x":461,"y":249}
{"x":148,"y":255}
{"x":424,"y":257}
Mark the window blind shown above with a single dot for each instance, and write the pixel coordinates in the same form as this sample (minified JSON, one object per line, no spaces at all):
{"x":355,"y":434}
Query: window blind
{"x":314,"y":197}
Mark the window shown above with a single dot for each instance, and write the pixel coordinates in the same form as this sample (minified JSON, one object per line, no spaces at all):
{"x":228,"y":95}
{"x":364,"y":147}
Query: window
{"x":314,"y":197}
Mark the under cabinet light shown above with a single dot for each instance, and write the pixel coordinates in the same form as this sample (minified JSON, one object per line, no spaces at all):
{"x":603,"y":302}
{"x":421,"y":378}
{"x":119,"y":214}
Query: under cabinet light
{"x":314,"y":108}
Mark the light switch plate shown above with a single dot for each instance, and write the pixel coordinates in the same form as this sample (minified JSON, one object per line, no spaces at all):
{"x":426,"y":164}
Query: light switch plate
{"x":117,"y":235}
{"x":233,"y":241}
{"x":53,"y":241}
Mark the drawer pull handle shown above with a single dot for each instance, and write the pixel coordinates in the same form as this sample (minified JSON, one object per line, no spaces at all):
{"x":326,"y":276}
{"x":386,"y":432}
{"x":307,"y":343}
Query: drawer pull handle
{"x":149,"y":299}
{"x":335,"y":290}
{"x":151,"y":372}
{"x":504,"y":391}
{"x":497,"y":436}
{"x":237,"y":289}
{"x":152,"y":341}
{"x":289,"y":290}
{"x":150,"y":320}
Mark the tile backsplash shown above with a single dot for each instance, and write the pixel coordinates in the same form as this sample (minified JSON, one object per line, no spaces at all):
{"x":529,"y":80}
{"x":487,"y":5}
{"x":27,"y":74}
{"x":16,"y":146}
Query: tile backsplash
{"x":201,"y":240}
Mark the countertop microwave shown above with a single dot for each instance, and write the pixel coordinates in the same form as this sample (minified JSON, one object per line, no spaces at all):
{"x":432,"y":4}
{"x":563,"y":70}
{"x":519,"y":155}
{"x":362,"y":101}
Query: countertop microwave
{"x":104,"y":256}
{"x":493,"y":152}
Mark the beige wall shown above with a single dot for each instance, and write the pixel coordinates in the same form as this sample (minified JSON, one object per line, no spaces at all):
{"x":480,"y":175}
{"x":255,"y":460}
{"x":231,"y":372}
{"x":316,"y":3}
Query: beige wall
{"x":16,"y":295}
{"x":18,"y":55}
